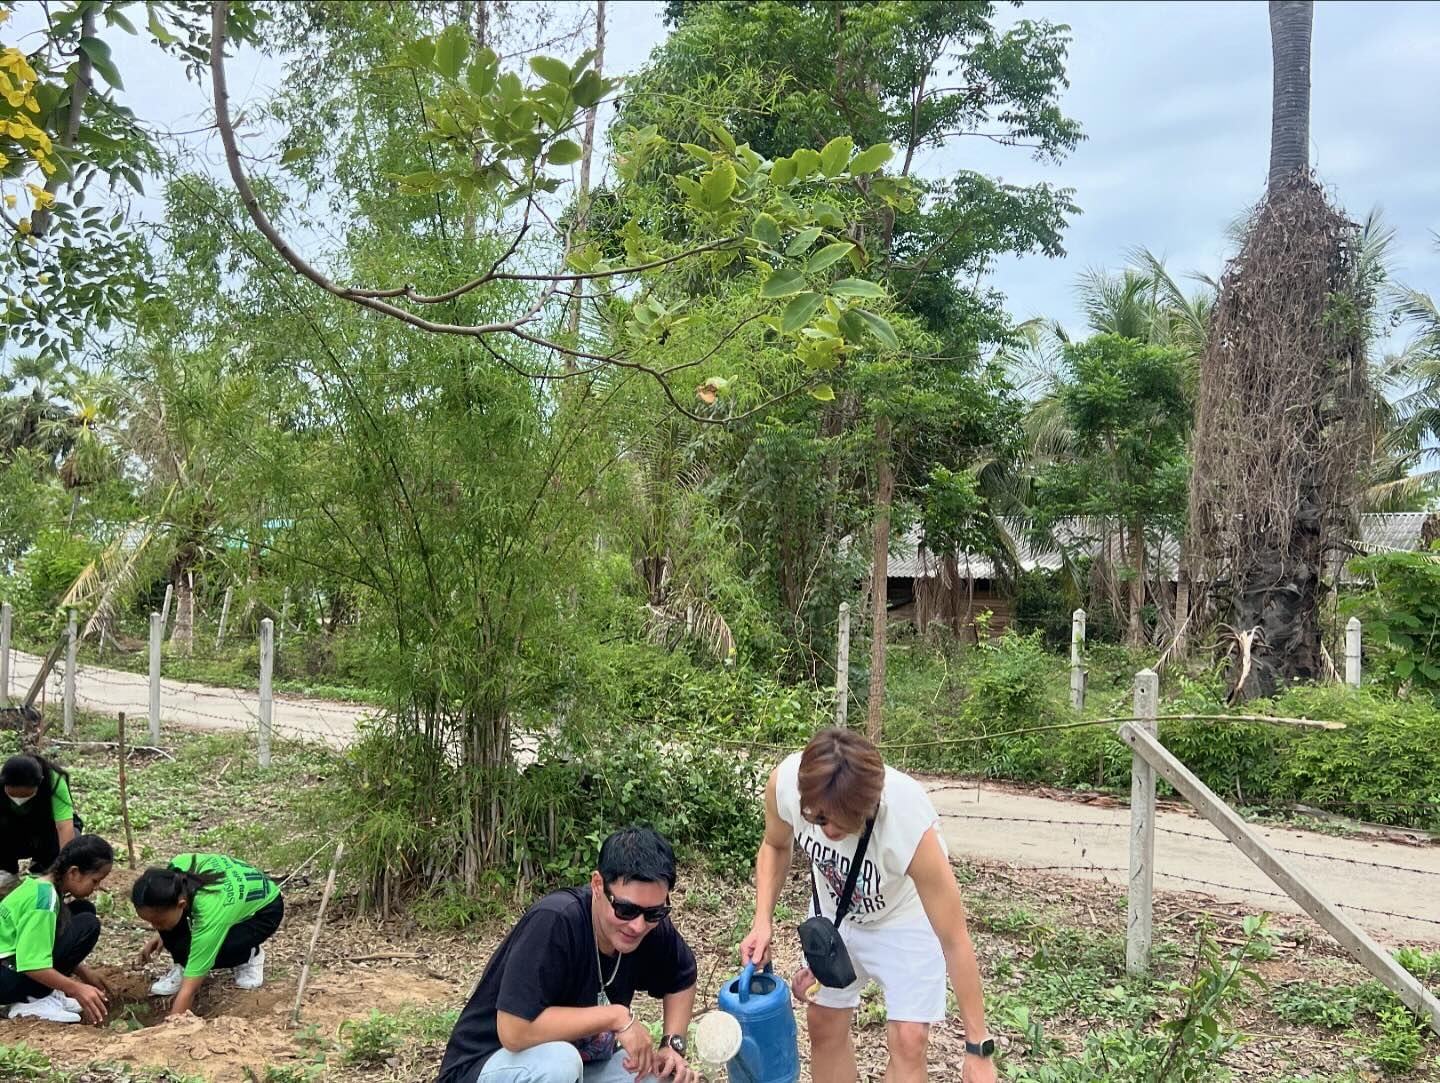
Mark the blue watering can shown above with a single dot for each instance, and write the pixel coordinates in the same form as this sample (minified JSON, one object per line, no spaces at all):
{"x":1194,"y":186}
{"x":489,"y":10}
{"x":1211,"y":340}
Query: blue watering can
{"x":761,"y":1004}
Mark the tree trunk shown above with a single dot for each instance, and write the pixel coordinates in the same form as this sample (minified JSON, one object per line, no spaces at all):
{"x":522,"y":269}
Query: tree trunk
{"x":183,"y":637}
{"x":1279,"y":593}
{"x":1290,"y":26}
{"x":1135,"y":633}
{"x":880,"y":575}
{"x":587,"y":153}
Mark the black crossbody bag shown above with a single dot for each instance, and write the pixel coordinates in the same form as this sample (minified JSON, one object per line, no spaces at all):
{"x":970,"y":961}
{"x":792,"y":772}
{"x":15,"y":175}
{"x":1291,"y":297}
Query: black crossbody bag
{"x":825,"y":952}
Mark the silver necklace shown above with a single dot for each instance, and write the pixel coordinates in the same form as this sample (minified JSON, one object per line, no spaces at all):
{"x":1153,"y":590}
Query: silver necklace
{"x":602,"y":1000}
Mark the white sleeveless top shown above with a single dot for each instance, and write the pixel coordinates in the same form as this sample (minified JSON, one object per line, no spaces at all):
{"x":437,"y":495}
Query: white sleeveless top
{"x":884,"y":892}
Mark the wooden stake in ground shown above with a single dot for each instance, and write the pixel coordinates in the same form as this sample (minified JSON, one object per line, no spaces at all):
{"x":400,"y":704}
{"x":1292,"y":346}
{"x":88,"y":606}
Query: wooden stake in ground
{"x":315,"y":935}
{"x":125,"y":792}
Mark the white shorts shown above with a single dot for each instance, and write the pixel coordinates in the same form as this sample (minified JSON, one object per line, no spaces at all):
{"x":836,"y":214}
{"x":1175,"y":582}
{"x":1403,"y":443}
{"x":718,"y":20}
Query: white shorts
{"x":906,"y":961}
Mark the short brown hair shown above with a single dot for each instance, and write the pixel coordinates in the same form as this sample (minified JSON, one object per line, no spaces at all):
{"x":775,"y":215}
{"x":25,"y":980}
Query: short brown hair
{"x":841,"y":777}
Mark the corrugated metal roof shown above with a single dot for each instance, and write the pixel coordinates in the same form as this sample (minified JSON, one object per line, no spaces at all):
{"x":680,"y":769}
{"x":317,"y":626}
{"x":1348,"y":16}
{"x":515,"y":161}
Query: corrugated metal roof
{"x":1391,"y":532}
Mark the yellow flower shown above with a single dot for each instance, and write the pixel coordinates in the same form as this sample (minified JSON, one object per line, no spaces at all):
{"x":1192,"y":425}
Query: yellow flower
{"x":10,"y":200}
{"x":41,"y":197}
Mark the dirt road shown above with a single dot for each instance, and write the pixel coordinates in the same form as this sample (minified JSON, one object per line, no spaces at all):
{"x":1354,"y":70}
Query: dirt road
{"x":992,"y":823}
{"x":1003,"y":823}
{"x":107,"y":691}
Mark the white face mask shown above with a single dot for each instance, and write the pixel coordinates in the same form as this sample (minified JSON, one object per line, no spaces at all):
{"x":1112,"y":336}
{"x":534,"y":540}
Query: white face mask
{"x":19,"y":801}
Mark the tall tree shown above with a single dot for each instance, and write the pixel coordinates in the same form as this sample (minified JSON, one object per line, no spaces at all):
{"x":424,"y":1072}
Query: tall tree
{"x":1282,"y":425}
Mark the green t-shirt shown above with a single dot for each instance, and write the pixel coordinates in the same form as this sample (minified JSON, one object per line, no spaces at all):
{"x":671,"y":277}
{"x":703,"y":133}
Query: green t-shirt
{"x":61,"y":806}
{"x":243,"y":891}
{"x":27,"y":924}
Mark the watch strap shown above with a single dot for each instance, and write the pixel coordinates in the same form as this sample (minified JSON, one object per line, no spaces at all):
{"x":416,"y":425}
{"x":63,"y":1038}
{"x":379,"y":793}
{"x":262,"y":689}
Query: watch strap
{"x":984,"y":1048}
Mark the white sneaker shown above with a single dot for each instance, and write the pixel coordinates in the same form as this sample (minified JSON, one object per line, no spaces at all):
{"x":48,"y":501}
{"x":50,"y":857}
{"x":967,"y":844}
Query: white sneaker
{"x":49,"y":1008}
{"x":70,"y":1003}
{"x":251,"y":974}
{"x":169,"y":985}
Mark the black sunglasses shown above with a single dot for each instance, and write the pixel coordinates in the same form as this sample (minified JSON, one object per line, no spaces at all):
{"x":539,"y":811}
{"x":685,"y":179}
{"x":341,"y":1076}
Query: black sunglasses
{"x":629,"y":911}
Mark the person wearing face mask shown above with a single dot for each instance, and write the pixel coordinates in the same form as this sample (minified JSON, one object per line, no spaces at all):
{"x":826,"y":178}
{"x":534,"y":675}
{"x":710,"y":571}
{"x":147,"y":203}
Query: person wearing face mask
{"x":37,"y":815}
{"x":45,"y":940}
{"x":208,"y":911}
{"x":555,"y":1002}
{"x":902,"y":922}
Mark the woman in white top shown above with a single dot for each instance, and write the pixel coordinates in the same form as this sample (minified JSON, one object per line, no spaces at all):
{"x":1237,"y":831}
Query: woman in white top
{"x":906,"y":925}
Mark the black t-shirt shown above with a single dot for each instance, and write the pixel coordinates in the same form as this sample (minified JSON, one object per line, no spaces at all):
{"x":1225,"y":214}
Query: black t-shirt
{"x":548,"y":961}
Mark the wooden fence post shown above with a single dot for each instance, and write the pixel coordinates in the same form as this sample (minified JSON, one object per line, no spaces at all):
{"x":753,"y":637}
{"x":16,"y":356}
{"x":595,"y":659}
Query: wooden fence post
{"x":125,"y":791}
{"x":157,"y":629}
{"x":6,"y":616}
{"x":70,"y":644}
{"x":224,"y":616}
{"x":1077,"y":661}
{"x":1352,"y":652}
{"x":1287,"y":877}
{"x":267,"y":695}
{"x":165,"y":609}
{"x":1139,"y":916}
{"x":284,"y":617}
{"x":842,"y":667}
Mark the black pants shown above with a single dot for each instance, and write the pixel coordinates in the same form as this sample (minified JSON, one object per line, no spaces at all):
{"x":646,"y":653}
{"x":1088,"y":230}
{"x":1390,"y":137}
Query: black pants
{"x":240,"y":941}
{"x":75,"y":939}
{"x":39,"y":842}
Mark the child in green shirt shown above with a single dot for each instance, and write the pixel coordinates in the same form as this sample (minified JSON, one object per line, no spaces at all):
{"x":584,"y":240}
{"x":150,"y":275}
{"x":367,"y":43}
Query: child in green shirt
{"x":44,"y":940}
{"x":210,"y":911}
{"x":37,"y":815}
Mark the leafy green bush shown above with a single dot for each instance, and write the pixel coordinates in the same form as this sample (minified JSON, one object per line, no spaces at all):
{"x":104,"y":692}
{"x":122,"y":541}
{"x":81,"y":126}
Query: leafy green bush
{"x":43,"y":575}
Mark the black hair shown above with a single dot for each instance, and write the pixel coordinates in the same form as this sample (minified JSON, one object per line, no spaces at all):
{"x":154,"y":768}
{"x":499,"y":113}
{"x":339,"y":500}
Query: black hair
{"x":29,"y":771}
{"x":88,"y":853}
{"x":637,"y":853}
{"x":161,"y":889}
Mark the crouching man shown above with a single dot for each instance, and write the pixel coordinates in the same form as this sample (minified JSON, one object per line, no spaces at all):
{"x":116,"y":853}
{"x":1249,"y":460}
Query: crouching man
{"x":554,"y":1003}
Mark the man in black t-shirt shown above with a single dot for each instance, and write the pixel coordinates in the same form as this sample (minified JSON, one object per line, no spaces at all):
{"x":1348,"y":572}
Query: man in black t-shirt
{"x":553,"y":1005}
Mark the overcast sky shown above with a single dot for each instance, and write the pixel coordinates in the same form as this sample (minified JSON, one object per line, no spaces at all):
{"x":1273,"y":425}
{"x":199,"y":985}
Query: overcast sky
{"x":1175,"y":102}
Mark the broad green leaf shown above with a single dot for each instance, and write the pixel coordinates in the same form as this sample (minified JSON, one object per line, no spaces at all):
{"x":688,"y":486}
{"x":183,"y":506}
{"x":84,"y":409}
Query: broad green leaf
{"x":823,"y":392}
{"x":830,"y":254}
{"x":836,"y":155}
{"x":689,"y":185}
{"x":798,"y":312}
{"x":880,"y":327}
{"x":855,"y":287}
{"x":803,"y":240}
{"x":828,"y":215}
{"x":806,"y":162}
{"x":589,"y":89}
{"x":782,"y":172}
{"x":480,"y":78}
{"x":1404,"y":667}
{"x":785,"y":282}
{"x":450,"y":51}
{"x":564,"y":152}
{"x":720,"y":132}
{"x":852,"y":326}
{"x":766,"y":230}
{"x":294,"y":154}
{"x":701,"y":154}
{"x":421,"y":53}
{"x":871,"y":159}
{"x":99,"y":54}
{"x":551,"y":70}
{"x":718,"y":185}
{"x":157,"y":29}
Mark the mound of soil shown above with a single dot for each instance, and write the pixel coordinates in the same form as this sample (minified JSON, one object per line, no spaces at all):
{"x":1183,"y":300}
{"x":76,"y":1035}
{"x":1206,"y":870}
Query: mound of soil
{"x":235,"y":1032}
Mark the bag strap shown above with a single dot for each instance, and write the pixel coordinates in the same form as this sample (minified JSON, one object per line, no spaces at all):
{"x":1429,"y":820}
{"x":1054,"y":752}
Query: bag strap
{"x":842,"y":907}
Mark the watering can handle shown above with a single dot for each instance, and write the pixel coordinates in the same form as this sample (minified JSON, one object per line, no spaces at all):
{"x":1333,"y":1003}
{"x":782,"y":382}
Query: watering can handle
{"x":747,"y":975}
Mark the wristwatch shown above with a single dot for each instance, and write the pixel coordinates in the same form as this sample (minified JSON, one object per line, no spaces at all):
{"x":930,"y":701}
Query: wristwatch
{"x":675,"y":1042}
{"x":985,"y":1048}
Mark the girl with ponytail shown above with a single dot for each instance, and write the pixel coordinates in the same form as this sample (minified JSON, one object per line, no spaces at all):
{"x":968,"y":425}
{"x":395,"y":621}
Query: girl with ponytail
{"x":209,"y":911}
{"x":45,"y":940}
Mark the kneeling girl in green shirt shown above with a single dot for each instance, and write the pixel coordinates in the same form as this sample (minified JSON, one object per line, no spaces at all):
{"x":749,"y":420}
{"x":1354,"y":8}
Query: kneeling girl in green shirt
{"x":209,"y":911}
{"x":45,"y":940}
